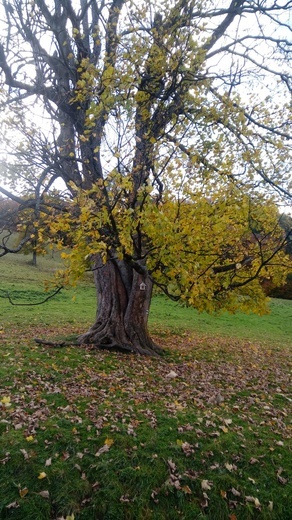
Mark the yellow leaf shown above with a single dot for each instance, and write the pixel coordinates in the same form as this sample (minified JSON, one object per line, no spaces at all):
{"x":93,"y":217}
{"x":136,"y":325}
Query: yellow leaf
{"x":5,"y":400}
{"x":186,"y":490}
{"x":23,"y":492}
{"x":109,"y":442}
{"x":42,"y":475}
{"x":29,"y":438}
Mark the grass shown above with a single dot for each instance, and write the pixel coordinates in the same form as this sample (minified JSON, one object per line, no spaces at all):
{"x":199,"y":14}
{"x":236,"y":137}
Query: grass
{"x":273,"y":327}
{"x":25,"y":285}
{"x":201,"y":433}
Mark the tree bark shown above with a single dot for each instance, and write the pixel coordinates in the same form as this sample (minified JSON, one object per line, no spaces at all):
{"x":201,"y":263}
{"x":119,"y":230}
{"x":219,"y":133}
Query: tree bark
{"x":34,"y":258}
{"x":124,"y":298}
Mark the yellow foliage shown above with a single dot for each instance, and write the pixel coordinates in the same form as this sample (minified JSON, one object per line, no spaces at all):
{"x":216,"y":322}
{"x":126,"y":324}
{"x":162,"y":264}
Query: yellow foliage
{"x":204,"y":244}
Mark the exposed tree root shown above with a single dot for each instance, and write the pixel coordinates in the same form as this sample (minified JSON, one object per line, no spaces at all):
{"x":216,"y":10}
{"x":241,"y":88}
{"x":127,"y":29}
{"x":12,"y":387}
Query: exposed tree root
{"x":109,"y":342}
{"x":55,"y":344}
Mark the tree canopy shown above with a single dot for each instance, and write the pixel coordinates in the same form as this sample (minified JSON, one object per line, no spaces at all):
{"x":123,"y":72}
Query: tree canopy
{"x":168,"y":123}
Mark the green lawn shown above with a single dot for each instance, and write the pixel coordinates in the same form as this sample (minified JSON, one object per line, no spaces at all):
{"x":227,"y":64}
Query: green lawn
{"x":24,"y":283}
{"x":201,"y":433}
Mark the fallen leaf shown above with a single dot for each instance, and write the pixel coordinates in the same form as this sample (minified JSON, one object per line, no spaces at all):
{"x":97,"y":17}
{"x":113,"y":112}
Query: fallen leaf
{"x":206,"y":485}
{"x":44,"y":494}
{"x":85,"y":501}
{"x":48,"y":462}
{"x":42,"y":475}
{"x":191,"y":474}
{"x":235,"y":492}
{"x":29,"y":438}
{"x":179,"y":406}
{"x":6,"y":401}
{"x":257,"y":502}
{"x":80,"y":455}
{"x":187,"y":449}
{"x":24,"y":453}
{"x":171,"y":465}
{"x":65,"y":455}
{"x":154,"y":495}
{"x":186,"y":490}
{"x":23,"y":492}
{"x":124,"y":498}
{"x":205,"y":502}
{"x":13,"y":505}
{"x":109,"y":442}
{"x":253,"y":500}
{"x":282,"y":480}
{"x":6,"y":458}
{"x":216,"y":399}
{"x":172,"y":374}
{"x":230,"y":467}
{"x":101,"y":450}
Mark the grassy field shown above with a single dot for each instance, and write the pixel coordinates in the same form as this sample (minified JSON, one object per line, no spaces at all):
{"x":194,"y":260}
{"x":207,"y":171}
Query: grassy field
{"x":24,"y":283}
{"x":201,"y":433}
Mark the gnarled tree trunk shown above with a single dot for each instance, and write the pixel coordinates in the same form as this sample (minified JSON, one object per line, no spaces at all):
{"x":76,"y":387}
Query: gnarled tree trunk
{"x":124,"y":298}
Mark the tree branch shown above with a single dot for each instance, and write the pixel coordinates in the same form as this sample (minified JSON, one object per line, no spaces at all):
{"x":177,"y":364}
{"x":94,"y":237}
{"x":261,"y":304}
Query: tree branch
{"x":5,"y":294}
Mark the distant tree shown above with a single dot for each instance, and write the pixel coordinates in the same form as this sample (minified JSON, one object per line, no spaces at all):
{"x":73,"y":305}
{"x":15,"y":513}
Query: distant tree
{"x":284,"y":290}
{"x":168,"y":124}
{"x":8,"y":214}
{"x":286,"y":224}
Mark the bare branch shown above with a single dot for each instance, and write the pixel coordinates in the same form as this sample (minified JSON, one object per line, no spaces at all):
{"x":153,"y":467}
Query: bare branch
{"x":6,"y":295}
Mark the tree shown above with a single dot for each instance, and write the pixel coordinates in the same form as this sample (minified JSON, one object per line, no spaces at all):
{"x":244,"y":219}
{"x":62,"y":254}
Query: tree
{"x":286,"y":224}
{"x":167,"y":152}
{"x":23,"y":218}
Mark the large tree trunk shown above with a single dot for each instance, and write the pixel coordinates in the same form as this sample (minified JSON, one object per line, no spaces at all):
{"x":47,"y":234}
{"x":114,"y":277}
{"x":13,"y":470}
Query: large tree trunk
{"x":124,"y":298}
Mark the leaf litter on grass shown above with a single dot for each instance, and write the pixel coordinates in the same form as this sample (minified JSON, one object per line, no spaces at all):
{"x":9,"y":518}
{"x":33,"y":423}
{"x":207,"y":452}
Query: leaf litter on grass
{"x":221,"y":407}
